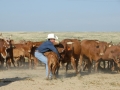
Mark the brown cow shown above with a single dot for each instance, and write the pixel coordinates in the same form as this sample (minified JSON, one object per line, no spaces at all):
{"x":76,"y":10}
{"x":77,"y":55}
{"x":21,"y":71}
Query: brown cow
{"x":4,"y":45}
{"x":71,"y":52}
{"x":26,"y":48}
{"x":108,"y":51}
{"x":33,"y":58}
{"x":15,"y":54}
{"x":92,"y":50}
{"x":10,"y":54}
{"x":103,"y":46}
{"x":7,"y":46}
{"x":53,"y":63}
{"x":19,"y":54}
{"x":114,"y":54}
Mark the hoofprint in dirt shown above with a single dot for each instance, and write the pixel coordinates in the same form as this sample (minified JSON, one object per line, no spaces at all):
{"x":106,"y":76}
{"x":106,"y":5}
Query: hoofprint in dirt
{"x":25,"y":79}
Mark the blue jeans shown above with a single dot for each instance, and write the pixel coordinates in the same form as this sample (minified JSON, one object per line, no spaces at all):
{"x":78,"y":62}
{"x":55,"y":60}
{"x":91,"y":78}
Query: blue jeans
{"x":44,"y":60}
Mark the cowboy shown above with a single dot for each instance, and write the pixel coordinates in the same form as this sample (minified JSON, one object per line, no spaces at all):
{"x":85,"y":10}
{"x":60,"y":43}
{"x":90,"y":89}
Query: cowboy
{"x":45,"y":47}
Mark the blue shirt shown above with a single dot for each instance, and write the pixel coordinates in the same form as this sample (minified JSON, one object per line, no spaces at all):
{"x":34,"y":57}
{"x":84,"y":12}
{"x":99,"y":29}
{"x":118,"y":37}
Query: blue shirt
{"x":47,"y":46}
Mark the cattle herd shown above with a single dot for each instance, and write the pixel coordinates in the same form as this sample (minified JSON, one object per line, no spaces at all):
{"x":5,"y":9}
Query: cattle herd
{"x":89,"y":55}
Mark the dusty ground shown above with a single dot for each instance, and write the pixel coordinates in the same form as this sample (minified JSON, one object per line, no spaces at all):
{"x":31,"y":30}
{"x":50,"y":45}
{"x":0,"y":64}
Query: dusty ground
{"x":25,"y":79}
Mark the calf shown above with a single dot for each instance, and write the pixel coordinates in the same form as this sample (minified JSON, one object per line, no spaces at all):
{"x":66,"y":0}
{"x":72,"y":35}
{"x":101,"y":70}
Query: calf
{"x":53,"y":63}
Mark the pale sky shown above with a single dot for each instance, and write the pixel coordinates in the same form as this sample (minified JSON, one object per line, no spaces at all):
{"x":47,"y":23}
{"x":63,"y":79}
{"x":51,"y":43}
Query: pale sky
{"x":60,"y":15}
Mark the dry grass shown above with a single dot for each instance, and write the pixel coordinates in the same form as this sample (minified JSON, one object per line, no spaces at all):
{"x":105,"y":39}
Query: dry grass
{"x":40,"y":36}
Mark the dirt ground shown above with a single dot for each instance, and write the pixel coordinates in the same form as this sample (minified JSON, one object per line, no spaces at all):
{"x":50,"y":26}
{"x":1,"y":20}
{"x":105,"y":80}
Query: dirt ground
{"x":27,"y":79}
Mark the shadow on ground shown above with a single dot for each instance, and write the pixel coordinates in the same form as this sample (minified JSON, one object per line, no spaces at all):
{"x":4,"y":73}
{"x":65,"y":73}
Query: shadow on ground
{"x":6,"y":81}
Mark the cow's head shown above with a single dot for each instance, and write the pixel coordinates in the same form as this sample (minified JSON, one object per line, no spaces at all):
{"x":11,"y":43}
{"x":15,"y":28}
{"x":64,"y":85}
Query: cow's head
{"x":29,"y":45}
{"x":69,"y":46}
{"x":5,"y":41}
{"x":65,"y":48}
{"x":60,"y":49}
{"x":102,"y":47}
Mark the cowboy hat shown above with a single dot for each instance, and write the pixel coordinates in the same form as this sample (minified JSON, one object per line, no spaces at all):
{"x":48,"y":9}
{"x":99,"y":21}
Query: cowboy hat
{"x":51,"y":35}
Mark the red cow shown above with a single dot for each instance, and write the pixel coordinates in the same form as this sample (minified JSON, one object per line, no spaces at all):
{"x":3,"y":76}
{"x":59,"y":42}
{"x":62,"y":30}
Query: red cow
{"x":4,"y":45}
{"x":26,"y":49}
{"x":114,"y":54}
{"x":92,"y":50}
{"x":33,"y":58}
{"x":71,"y":52}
